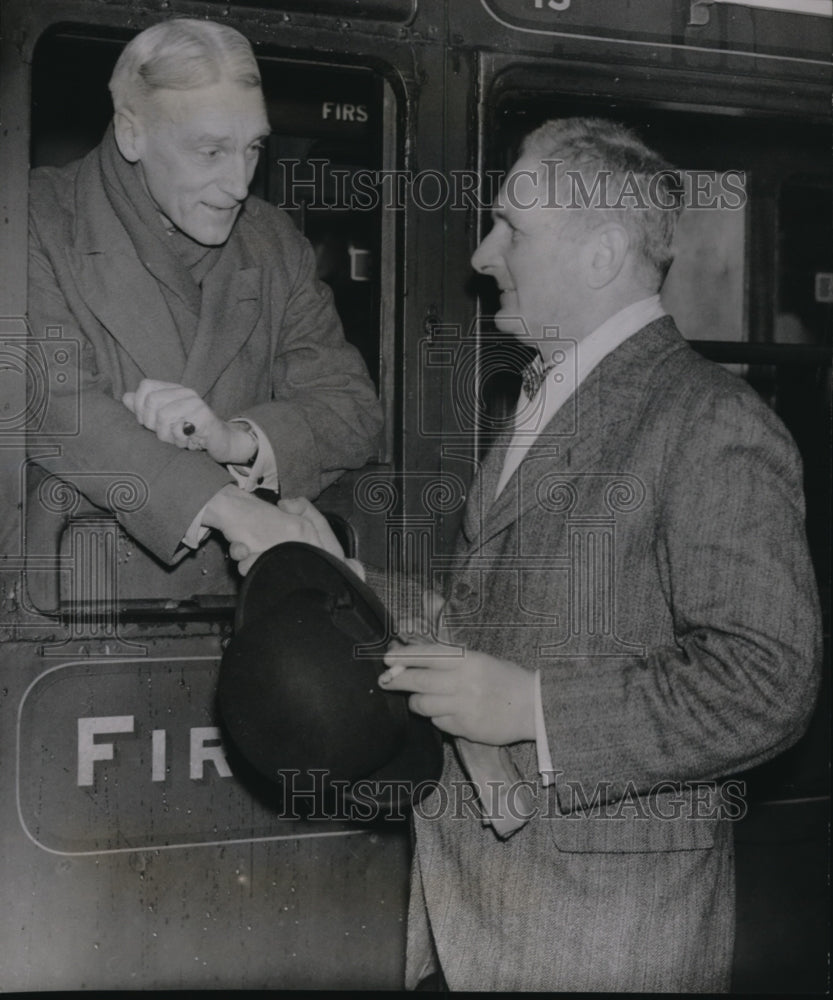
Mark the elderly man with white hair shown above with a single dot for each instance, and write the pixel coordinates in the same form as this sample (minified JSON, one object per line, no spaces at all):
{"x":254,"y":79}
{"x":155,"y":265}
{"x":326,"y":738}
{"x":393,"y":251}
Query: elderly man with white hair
{"x":212,"y":359}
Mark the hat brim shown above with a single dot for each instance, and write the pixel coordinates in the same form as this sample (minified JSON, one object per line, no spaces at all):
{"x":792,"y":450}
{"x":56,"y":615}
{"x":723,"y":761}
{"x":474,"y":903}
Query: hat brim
{"x":298,"y":566}
{"x":286,"y":569}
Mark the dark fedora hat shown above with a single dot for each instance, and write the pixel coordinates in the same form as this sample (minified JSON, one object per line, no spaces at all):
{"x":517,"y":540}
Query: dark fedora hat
{"x":298,"y":692}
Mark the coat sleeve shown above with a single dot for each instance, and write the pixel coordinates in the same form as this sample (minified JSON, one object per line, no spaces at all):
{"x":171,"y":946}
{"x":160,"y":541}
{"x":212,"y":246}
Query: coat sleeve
{"x":324,"y":416}
{"x":739,"y":682}
{"x":86,"y":435}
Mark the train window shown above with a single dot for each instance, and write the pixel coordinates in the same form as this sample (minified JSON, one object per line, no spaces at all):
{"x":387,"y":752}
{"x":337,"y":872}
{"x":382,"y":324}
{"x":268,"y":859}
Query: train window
{"x":752,"y":285}
{"x":766,"y":183}
{"x":805,"y":263}
{"x":329,"y":124}
{"x":710,"y":253}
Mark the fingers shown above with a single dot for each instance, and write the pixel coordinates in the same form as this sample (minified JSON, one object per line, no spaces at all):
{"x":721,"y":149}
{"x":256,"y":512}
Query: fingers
{"x":447,"y":723}
{"x":439,"y":707}
{"x":433,"y":693}
{"x":239,"y":551}
{"x":245,"y":565}
{"x":319,"y":532}
{"x":165,"y":407}
{"x":423,"y":682}
{"x":178,"y":416}
{"x":142,"y":403}
{"x":295,"y":505}
{"x":251,"y":528}
{"x":431,"y":706}
{"x":174,"y":419}
{"x":244,"y":519}
{"x":301,"y":507}
{"x":419,"y":667}
{"x":243,"y":556}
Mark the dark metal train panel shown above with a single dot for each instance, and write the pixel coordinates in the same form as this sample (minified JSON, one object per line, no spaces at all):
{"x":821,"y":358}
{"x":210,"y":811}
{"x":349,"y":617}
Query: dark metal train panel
{"x":133,"y":857}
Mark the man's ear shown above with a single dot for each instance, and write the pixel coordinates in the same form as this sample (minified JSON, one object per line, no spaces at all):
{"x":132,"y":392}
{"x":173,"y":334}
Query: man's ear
{"x":129,"y":135}
{"x":611,"y":245}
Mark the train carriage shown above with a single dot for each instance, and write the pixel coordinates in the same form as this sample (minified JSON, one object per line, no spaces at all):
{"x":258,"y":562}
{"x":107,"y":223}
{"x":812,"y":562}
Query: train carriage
{"x":134,"y":854}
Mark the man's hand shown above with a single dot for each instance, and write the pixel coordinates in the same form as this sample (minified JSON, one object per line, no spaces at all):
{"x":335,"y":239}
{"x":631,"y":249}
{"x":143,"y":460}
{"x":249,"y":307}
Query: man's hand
{"x":167,"y":409}
{"x":464,"y":692}
{"x":252,"y":526}
{"x":424,"y":626}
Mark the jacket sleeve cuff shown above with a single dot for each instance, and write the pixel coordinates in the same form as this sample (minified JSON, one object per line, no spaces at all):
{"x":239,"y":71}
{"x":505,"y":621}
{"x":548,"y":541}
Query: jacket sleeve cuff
{"x":197,"y":531}
{"x":263,"y":472}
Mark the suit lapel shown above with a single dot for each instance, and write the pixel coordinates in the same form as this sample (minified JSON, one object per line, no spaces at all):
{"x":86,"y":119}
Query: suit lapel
{"x":232,"y":302}
{"x":123,"y":294}
{"x":126,"y":298}
{"x":127,"y":301}
{"x":568,"y":445}
{"x":583,"y":437}
{"x":482,"y":489}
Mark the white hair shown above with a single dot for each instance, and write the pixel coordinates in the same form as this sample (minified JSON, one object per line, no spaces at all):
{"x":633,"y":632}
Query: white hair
{"x":181,"y":54}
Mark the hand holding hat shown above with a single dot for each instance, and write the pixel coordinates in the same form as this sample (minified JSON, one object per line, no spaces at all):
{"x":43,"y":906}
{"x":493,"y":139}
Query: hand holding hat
{"x":298,"y":691}
{"x":487,"y":703}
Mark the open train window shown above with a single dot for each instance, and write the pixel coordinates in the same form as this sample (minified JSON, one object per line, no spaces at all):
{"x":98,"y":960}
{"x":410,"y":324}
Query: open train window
{"x":326,"y":122}
{"x":329,"y":122}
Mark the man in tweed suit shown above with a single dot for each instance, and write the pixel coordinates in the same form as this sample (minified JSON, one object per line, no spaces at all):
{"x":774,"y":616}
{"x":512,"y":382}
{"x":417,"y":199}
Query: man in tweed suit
{"x":631,"y":618}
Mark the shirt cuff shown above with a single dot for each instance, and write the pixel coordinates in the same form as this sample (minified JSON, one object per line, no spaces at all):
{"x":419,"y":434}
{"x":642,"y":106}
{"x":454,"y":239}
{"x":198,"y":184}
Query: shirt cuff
{"x":196,"y":532}
{"x":541,"y":743}
{"x":263,"y":472}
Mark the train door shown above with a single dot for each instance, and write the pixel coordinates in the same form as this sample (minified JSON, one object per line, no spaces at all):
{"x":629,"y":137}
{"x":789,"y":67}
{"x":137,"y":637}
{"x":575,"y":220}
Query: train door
{"x":133,"y":854}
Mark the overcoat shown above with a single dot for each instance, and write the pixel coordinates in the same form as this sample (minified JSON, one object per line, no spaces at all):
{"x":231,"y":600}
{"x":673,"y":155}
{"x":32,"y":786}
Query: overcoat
{"x":649,"y":558}
{"x":268,"y":346}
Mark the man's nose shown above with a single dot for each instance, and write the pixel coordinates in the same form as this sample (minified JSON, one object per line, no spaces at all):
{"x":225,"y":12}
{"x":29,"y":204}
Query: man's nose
{"x":236,"y":176}
{"x":486,"y":257}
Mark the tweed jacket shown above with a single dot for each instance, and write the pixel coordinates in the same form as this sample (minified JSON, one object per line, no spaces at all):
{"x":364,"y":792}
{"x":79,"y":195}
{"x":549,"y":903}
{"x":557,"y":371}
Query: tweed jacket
{"x":648,"y":557}
{"x":269,"y":346}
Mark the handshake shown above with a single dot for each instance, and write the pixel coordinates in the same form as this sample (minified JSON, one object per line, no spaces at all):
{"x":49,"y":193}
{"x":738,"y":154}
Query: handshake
{"x":178,"y":416}
{"x":252,"y":526}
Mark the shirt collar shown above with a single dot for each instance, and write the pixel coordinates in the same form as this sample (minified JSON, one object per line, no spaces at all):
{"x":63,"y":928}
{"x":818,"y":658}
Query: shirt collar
{"x":533,"y":415}
{"x":588,"y":354}
{"x":615,"y":331}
